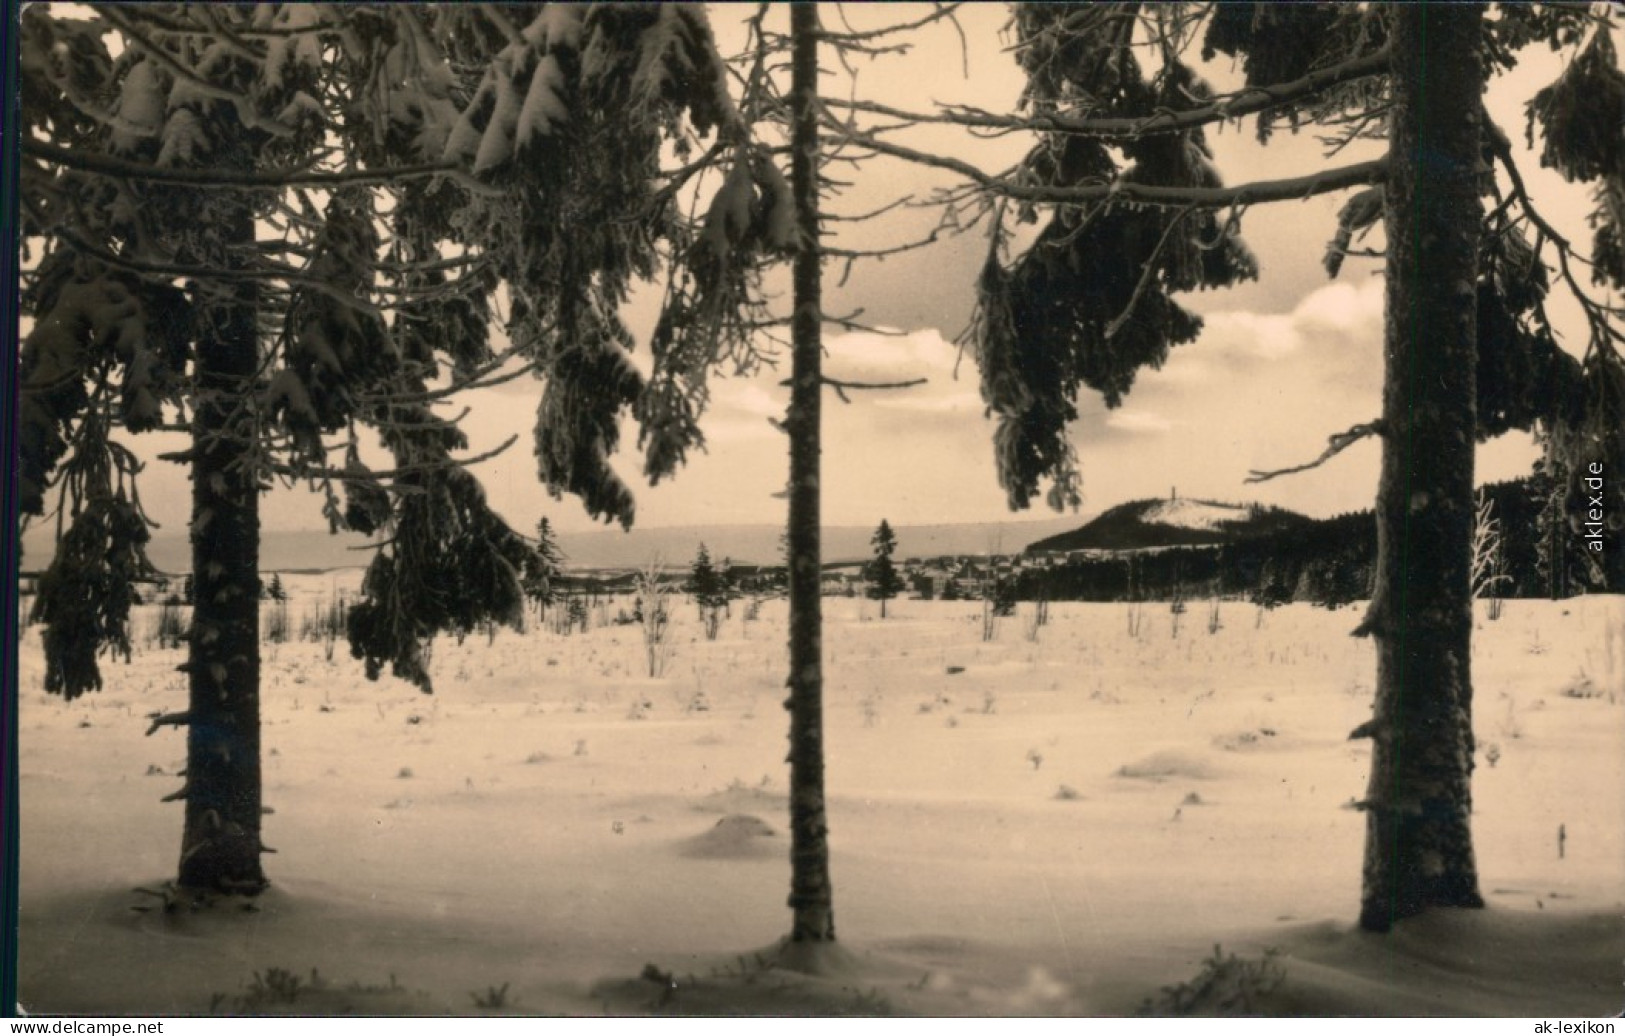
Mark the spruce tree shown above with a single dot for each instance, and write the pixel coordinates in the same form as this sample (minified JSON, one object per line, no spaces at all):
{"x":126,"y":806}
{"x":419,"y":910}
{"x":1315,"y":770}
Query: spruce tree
{"x":884,"y":582}
{"x":709,"y":591}
{"x":544,"y":564}
{"x":274,"y":226}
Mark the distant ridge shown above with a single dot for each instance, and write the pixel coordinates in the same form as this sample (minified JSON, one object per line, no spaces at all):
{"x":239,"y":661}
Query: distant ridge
{"x":279,"y":551}
{"x":1174,"y":522}
{"x":759,"y":544}
{"x":676,"y":546}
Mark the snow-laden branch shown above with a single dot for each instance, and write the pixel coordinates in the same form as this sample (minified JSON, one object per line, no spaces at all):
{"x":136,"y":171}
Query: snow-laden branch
{"x":852,"y":37}
{"x":1257,"y":192}
{"x":162,"y":26}
{"x":483,"y":378}
{"x":272,"y":179}
{"x":1248,"y":101}
{"x":241,"y":102}
{"x":347,"y":475}
{"x":169,"y":271}
{"x":1598,"y":316}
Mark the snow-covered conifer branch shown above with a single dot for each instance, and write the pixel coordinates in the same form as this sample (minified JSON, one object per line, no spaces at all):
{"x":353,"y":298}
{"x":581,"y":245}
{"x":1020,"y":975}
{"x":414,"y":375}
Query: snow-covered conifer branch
{"x":1128,"y":191}
{"x":219,"y":178}
{"x":349,"y":475}
{"x":1602,"y":319}
{"x":1250,"y":100}
{"x":244,"y":106}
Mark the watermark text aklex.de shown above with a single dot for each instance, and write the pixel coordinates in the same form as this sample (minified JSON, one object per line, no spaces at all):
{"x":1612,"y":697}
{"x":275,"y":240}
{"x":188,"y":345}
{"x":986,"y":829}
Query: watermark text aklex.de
{"x":1594,"y":511}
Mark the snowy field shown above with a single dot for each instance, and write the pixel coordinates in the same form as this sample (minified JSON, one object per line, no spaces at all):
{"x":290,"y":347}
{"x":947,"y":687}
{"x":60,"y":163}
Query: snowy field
{"x":1059,"y":825}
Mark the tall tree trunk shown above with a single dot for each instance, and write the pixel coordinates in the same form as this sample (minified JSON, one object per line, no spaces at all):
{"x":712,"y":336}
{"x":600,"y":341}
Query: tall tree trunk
{"x":1419,"y":850}
{"x":811,"y":897}
{"x":220,"y":847}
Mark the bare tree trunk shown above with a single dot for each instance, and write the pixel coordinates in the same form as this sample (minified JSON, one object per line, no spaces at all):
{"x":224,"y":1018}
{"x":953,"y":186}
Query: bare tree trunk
{"x":811,"y":897}
{"x":220,"y":847}
{"x":1419,"y":850}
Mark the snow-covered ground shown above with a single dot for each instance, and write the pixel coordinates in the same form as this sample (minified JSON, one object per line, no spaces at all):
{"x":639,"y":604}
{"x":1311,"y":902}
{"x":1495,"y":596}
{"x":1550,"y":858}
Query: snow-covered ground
{"x":1059,"y":825}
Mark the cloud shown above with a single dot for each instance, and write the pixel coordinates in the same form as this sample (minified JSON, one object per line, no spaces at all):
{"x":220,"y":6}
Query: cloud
{"x":958,"y":401}
{"x":1342,"y":311}
{"x":863,"y":356}
{"x":1138,"y":422}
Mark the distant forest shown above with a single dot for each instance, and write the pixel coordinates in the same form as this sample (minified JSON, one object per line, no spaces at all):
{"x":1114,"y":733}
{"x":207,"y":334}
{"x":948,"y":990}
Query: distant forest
{"x":1331,"y":562}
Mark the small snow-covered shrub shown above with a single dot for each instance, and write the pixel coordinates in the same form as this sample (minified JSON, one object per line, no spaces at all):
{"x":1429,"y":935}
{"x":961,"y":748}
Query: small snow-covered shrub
{"x":276,"y":626}
{"x":1582,"y":686}
{"x":326,"y":623}
{"x":276,"y":986}
{"x":870,"y":704}
{"x":1136,"y":618}
{"x":172,"y":624}
{"x":495,"y":998}
{"x":1227,"y":985}
{"x":655,"y":618}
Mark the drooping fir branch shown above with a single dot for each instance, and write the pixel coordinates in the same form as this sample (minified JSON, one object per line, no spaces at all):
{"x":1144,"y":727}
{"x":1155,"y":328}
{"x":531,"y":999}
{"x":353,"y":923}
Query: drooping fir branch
{"x":1602,"y":319}
{"x":446,"y":564}
{"x":84,"y":597}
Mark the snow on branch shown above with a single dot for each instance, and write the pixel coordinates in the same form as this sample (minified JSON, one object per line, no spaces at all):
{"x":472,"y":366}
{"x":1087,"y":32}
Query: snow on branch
{"x":348,"y":475}
{"x":1259,"y":191}
{"x":1598,"y":316}
{"x":1248,"y":101}
{"x":940,"y":12}
{"x":241,"y":102}
{"x":272,"y":179}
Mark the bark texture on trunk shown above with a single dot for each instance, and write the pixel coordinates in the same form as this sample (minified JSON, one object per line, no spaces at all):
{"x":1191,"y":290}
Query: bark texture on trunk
{"x":1419,"y":850}
{"x":811,"y":898}
{"x":220,"y":846}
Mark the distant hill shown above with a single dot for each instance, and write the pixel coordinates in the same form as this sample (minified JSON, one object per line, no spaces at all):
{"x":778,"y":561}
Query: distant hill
{"x":1141,"y":524}
{"x":612,"y":548}
{"x":1207,"y":549}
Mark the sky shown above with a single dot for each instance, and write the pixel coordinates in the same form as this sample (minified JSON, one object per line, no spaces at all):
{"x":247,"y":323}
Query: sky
{"x":1281,"y":364}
